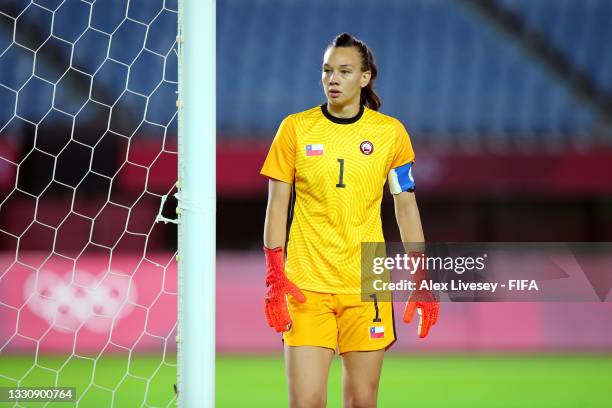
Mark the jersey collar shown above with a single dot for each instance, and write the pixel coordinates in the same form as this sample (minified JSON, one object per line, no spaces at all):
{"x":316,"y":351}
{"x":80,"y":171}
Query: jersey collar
{"x":342,"y":121}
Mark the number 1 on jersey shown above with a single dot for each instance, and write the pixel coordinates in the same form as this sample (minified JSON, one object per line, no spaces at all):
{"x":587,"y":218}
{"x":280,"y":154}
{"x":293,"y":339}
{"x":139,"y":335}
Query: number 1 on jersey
{"x":376,"y":318}
{"x":340,"y":183}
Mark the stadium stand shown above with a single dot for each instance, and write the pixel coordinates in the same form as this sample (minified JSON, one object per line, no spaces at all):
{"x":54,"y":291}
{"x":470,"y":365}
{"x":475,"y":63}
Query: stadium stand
{"x":446,"y":71}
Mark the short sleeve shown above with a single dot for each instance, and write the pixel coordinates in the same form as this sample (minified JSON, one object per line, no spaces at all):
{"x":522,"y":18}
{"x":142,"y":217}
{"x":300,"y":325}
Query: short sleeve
{"x":403,"y":148}
{"x":280,"y":162}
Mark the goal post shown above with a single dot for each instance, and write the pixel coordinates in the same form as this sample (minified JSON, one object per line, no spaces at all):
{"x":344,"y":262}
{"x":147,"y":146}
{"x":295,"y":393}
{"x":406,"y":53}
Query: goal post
{"x":197,"y":202}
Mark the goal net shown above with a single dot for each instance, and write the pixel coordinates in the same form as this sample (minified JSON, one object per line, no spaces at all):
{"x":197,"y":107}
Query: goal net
{"x":88,"y":156}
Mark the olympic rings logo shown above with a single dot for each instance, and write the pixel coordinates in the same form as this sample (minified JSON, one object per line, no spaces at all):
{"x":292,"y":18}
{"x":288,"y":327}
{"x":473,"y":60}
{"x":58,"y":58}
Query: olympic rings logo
{"x":95,"y":302}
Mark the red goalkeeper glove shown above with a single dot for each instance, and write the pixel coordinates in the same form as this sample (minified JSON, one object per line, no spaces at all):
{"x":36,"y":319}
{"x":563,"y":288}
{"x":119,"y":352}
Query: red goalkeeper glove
{"x":279,"y":286}
{"x":422,"y":300}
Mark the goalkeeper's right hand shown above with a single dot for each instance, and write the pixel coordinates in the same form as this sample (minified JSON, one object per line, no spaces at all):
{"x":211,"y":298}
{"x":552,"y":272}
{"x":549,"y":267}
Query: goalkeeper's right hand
{"x":279,"y":286}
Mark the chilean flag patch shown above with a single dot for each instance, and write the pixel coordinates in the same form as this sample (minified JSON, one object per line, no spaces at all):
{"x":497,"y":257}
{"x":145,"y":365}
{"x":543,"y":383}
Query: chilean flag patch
{"x":377,"y":332}
{"x":314,"y":150}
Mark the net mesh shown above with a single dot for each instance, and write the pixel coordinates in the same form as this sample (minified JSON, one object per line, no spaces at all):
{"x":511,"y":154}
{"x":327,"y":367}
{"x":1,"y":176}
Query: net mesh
{"x":88,"y":280}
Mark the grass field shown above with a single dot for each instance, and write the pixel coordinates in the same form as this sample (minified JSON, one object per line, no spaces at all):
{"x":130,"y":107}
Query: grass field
{"x":145,"y":379}
{"x":438,"y":380}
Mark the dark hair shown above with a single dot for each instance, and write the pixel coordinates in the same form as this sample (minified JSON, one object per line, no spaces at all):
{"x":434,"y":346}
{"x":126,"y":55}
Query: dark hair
{"x":369,"y":97}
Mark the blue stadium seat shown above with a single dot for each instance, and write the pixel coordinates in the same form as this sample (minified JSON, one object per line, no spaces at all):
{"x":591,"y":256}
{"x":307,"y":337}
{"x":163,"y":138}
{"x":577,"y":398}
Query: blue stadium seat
{"x":580,"y":29}
{"x":445,"y":71}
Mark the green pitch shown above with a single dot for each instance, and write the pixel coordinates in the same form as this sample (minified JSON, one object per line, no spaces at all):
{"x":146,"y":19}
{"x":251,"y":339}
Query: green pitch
{"x":434,"y":380}
{"x":113,"y":380}
{"x":438,"y":381}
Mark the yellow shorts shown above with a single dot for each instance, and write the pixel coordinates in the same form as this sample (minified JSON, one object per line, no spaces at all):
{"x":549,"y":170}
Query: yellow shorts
{"x":343,"y":321}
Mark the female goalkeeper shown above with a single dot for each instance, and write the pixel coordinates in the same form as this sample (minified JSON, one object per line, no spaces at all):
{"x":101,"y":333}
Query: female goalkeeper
{"x":337,"y":158}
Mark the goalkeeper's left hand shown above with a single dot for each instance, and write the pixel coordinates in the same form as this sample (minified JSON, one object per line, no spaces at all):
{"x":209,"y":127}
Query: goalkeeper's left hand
{"x":422,"y":300}
{"x":428,"y":307}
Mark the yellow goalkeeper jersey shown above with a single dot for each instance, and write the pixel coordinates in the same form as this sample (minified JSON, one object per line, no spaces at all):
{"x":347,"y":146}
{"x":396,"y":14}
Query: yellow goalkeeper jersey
{"x":339,"y":167}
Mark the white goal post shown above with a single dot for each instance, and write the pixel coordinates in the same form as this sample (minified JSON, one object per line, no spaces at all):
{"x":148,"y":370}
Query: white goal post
{"x":197,"y":202}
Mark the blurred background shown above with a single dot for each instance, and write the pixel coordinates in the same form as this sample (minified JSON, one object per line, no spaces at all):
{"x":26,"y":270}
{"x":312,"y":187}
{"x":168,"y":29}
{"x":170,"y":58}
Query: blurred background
{"x":509,"y":108}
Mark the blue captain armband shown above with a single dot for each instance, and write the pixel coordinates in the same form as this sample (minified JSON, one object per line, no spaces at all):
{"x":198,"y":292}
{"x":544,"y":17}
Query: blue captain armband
{"x":400,"y":179}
